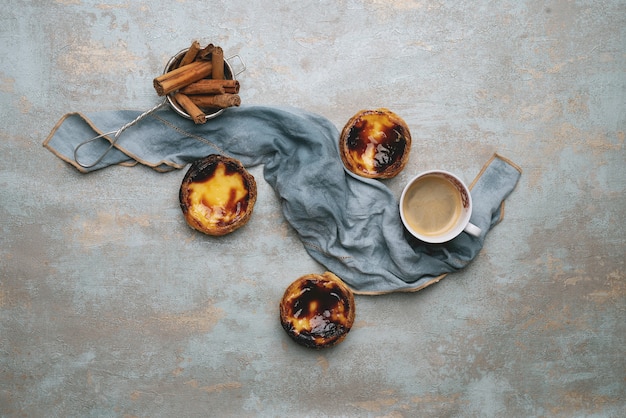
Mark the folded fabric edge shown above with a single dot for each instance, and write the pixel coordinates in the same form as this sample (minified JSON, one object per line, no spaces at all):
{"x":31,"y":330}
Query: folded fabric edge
{"x":55,"y":128}
{"x":484,"y":168}
{"x":489,"y":161}
{"x":414,"y":289}
{"x":162,"y":166}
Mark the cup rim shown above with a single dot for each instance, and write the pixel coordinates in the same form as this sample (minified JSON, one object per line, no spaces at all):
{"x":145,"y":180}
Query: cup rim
{"x":454,"y":232}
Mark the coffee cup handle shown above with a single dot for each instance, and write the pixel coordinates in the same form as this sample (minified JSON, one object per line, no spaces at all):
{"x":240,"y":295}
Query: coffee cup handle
{"x":473,"y":229}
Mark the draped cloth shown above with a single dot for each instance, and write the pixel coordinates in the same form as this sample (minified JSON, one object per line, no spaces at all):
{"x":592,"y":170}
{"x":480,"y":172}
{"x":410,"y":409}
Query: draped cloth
{"x":349,"y":224}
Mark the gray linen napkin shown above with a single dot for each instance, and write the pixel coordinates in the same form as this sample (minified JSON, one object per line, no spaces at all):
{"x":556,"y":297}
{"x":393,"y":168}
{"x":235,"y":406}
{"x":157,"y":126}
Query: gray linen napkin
{"x":349,"y":224}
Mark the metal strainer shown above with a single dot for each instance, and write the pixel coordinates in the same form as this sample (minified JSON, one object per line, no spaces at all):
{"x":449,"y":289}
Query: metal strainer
{"x":113,"y":136}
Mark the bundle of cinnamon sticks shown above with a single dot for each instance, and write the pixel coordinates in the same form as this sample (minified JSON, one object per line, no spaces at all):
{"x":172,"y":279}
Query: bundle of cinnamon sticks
{"x":197,"y":83}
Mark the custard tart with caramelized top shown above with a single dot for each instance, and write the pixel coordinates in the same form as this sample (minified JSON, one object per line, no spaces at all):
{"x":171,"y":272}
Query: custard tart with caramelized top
{"x":375,"y":144}
{"x":217,"y":195}
{"x":317,"y":311}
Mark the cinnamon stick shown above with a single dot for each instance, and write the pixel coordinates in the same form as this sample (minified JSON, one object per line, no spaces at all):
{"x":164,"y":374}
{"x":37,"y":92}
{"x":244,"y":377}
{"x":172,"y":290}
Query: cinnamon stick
{"x":196,"y":114}
{"x":182,"y":76}
{"x":217,"y":58}
{"x":210,"y":86}
{"x":206,"y":51}
{"x":191,"y":54}
{"x":220,"y":101}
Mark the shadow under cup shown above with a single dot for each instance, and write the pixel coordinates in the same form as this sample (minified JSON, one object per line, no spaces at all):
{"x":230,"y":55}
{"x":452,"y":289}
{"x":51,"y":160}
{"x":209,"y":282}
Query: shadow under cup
{"x":436,"y":206}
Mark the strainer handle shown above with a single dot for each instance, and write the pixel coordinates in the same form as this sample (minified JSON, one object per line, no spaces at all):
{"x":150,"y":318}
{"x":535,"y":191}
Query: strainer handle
{"x":243,"y":64}
{"x":116,"y":135}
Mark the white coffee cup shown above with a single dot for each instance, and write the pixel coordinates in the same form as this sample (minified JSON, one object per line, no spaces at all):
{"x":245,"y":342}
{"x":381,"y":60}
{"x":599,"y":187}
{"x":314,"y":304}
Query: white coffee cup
{"x":436,"y":207}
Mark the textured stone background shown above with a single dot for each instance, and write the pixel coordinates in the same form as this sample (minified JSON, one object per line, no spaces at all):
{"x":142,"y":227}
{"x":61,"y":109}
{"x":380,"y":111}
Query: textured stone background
{"x":111,"y":306}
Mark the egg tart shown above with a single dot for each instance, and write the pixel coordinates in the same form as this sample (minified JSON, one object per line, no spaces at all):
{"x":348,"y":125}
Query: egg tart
{"x":375,"y":144}
{"x":217,"y":195}
{"x":317,"y":311}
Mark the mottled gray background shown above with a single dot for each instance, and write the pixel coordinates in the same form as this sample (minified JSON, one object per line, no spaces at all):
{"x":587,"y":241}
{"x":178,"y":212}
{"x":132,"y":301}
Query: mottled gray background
{"x":111,"y":306}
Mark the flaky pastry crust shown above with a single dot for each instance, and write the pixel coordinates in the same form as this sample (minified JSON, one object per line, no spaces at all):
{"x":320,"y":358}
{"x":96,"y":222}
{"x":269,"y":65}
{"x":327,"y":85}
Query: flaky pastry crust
{"x":317,"y":310}
{"x":217,"y":195}
{"x":375,"y":144}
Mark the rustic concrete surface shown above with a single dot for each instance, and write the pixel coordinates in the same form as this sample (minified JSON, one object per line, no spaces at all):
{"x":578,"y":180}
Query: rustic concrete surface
{"x":111,"y":306}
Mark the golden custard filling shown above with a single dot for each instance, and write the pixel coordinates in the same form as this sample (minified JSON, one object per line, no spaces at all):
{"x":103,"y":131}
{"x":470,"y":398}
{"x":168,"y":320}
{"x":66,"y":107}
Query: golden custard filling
{"x":317,"y":311}
{"x":375,"y":142}
{"x":220,"y":199}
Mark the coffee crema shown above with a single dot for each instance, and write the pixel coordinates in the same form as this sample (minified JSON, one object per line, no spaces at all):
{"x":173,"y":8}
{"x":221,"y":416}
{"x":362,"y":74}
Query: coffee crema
{"x":432,"y":205}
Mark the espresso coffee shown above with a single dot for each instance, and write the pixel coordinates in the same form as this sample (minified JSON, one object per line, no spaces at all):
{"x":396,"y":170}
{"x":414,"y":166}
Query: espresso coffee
{"x":432,"y":205}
